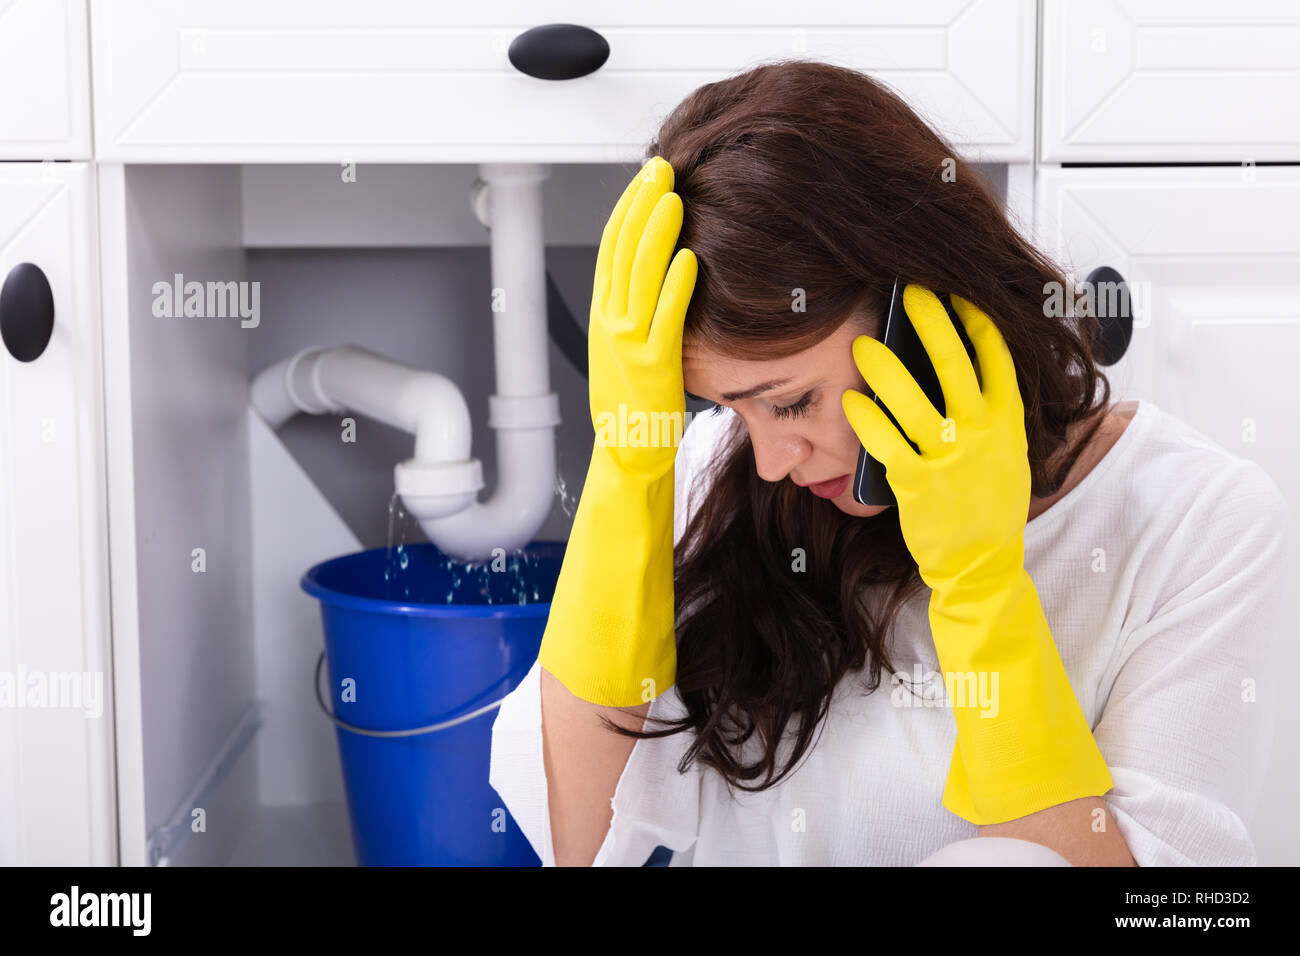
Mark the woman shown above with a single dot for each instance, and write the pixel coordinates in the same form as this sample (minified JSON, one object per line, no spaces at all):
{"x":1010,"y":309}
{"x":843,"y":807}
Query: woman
{"x":1104,"y":577}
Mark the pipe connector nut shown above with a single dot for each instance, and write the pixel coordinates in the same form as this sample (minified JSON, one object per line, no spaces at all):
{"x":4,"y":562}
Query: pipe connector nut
{"x":417,"y":478}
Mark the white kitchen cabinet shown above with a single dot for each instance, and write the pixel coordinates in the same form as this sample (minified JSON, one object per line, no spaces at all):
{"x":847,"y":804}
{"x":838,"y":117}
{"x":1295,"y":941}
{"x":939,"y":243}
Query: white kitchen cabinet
{"x":409,"y":81}
{"x":45,"y":76}
{"x":57,"y":802}
{"x":1158,"y":81}
{"x":1213,"y":257}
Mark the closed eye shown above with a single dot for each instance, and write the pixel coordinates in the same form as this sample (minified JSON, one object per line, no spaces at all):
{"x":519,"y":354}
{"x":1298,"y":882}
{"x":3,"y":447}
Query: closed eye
{"x":798,"y":408}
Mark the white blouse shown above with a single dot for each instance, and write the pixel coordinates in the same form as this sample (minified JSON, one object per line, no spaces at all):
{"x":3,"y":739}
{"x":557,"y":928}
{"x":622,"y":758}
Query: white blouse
{"x":1161,"y":575}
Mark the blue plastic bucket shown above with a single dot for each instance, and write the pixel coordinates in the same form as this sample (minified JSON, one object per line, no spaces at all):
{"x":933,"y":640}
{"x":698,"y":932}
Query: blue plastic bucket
{"x":432,"y":644}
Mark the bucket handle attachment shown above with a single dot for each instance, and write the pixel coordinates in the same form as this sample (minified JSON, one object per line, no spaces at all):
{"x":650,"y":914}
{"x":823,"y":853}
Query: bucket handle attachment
{"x":431,"y":728}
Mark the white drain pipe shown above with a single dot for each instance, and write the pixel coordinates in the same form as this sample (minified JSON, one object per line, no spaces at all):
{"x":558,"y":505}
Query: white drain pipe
{"x":440,"y":483}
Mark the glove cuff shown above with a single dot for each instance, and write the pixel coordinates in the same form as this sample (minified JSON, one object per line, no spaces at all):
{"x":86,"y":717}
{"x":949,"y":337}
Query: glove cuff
{"x":1024,"y":745}
{"x":610,"y":635}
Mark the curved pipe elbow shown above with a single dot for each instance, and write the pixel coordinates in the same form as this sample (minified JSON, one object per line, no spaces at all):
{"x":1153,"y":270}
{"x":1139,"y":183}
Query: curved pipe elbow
{"x":510,"y":519}
{"x":440,"y":419}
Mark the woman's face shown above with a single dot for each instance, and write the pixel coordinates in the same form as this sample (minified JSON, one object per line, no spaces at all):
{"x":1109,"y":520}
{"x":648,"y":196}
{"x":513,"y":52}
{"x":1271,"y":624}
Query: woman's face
{"x":792,"y":409}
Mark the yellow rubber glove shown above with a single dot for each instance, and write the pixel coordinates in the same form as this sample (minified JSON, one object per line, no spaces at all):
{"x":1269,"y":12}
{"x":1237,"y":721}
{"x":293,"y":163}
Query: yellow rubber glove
{"x":610,"y":636}
{"x":963,"y":501}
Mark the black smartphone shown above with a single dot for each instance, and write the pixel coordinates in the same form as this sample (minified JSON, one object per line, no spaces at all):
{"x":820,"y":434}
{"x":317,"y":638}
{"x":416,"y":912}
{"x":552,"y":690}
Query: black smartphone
{"x":869,"y":484}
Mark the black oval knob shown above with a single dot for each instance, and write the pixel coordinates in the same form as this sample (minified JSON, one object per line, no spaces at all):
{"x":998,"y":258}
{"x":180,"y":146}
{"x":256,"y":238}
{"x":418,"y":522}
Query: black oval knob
{"x":26,"y":312}
{"x":1113,"y":307}
{"x":558,"y":51}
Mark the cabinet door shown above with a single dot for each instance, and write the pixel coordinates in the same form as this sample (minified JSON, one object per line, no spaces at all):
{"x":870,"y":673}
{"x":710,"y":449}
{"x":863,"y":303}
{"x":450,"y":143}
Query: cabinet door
{"x":411,"y":81}
{"x":1149,"y":80}
{"x":1214,"y":254}
{"x":45,"y":79}
{"x":56,"y":794}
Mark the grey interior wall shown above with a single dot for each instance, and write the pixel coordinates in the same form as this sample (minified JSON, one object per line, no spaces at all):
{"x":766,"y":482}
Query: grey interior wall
{"x":189,"y":395}
{"x":425,"y":307}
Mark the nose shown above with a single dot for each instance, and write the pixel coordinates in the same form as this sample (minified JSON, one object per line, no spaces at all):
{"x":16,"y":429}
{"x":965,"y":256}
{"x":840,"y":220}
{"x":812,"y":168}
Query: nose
{"x":777,"y":453}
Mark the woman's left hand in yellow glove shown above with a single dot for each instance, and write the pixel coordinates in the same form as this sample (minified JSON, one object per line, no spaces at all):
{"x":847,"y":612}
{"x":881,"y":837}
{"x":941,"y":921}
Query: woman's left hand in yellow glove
{"x":963,"y":500}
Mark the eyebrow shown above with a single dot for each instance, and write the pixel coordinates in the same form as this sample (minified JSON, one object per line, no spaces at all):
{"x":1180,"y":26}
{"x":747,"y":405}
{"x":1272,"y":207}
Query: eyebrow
{"x":748,"y":393}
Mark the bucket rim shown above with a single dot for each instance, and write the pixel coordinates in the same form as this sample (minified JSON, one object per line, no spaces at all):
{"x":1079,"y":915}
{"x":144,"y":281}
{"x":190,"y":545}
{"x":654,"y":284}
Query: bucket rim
{"x":310,"y":582}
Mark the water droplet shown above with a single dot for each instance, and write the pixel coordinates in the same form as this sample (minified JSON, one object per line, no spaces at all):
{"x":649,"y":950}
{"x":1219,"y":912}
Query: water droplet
{"x":567,"y":503}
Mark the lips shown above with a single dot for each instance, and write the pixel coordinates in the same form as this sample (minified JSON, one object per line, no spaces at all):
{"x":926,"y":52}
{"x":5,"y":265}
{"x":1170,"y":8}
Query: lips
{"x":832,"y":488}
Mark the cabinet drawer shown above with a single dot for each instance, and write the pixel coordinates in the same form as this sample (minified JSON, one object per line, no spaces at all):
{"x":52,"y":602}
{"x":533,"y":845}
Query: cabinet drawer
{"x":1215,"y":325}
{"x":1152,"y":81}
{"x":406,"y":80}
{"x":44,"y":75}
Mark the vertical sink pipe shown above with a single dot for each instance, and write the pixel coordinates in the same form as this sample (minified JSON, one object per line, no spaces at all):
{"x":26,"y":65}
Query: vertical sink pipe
{"x":523,"y":411}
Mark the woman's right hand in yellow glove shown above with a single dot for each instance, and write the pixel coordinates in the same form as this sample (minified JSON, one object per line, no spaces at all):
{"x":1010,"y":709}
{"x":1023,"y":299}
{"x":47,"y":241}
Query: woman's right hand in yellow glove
{"x":610,"y":635}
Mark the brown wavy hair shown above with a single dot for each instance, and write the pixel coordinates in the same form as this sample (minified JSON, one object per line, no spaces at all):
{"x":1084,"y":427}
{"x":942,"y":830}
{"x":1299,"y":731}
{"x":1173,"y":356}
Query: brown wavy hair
{"x":805,"y":175}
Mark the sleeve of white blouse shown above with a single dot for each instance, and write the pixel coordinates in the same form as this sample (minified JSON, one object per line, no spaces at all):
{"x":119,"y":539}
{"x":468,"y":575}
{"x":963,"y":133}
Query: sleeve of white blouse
{"x":1187,"y":729}
{"x":653,"y":804}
